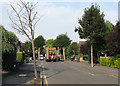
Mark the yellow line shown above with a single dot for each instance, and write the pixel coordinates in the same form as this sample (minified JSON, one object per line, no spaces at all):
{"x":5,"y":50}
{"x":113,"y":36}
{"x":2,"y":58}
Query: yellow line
{"x":45,"y":80}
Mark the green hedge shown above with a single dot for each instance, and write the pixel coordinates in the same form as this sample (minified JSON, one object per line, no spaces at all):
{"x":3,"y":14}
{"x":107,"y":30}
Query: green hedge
{"x":85,"y":58}
{"x":20,"y":57}
{"x":110,"y":61}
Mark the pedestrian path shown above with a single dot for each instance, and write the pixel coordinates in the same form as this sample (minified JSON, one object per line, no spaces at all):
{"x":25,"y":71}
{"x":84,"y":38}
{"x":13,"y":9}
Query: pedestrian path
{"x":24,"y":75}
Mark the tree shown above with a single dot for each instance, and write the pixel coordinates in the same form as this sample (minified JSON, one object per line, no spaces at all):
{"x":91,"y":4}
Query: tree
{"x":92,"y":26}
{"x":9,"y":48}
{"x":113,"y":40}
{"x":72,"y":49}
{"x":39,"y":43}
{"x":27,"y":47}
{"x":49,"y":43}
{"x":62,"y":41}
{"x":24,"y":20}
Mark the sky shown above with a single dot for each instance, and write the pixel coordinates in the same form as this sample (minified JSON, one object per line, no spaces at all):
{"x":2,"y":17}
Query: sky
{"x":59,"y":16}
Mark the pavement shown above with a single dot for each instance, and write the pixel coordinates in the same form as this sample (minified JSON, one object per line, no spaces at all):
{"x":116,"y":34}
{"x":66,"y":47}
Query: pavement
{"x":23,"y":75}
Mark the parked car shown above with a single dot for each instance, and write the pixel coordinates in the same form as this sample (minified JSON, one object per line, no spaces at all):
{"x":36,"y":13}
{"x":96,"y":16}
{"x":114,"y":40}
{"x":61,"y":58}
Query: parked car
{"x":41,"y":57}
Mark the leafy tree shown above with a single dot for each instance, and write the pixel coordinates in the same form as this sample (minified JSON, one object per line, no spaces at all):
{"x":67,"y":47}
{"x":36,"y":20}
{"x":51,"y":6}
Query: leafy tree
{"x":109,"y":26}
{"x":92,"y":26}
{"x":72,"y":49}
{"x":39,"y":43}
{"x":62,"y":41}
{"x":27,"y":47}
{"x":113,"y":40}
{"x":49,"y":43}
{"x":9,"y":48}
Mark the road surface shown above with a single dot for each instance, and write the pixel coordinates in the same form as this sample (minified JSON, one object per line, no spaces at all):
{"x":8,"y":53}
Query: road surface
{"x":76,"y":73}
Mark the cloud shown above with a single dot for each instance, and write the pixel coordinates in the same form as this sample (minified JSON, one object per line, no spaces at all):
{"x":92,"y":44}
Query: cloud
{"x":56,"y":20}
{"x":111,"y":16}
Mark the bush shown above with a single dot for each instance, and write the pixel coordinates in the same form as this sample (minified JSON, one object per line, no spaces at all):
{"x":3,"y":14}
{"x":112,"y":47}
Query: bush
{"x":110,"y":61}
{"x":103,"y":61}
{"x":80,"y":55}
{"x":26,"y":60}
{"x":85,"y":57}
{"x":117,"y":56}
{"x":117,"y":63}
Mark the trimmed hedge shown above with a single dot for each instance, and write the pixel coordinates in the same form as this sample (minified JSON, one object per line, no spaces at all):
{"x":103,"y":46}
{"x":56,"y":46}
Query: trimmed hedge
{"x":110,"y":61}
{"x":20,"y":57}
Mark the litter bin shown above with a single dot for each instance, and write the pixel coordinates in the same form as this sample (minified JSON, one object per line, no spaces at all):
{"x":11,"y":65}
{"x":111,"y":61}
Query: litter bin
{"x":78,"y":59}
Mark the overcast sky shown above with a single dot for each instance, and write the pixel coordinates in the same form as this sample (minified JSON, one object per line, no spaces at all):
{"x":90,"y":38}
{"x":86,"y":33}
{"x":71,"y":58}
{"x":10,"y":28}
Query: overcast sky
{"x":60,"y":16}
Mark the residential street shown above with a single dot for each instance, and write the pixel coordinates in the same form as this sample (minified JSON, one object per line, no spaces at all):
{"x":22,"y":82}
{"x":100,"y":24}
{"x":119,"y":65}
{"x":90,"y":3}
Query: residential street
{"x":78,"y":73}
{"x":63,"y":73}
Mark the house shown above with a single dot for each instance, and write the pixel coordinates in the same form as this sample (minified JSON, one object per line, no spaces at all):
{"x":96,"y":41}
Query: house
{"x":82,"y":43}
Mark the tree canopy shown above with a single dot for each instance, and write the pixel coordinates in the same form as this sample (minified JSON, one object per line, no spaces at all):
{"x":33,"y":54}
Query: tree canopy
{"x":49,"y":43}
{"x":27,"y":46}
{"x":72,"y":49}
{"x":62,"y":41}
{"x":9,"y":41}
{"x":92,"y":24}
{"x":113,"y":40}
{"x":39,"y":41}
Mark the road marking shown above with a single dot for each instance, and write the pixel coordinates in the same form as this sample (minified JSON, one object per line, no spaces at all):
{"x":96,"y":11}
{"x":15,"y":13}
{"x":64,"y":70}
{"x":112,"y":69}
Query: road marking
{"x":22,"y":75}
{"x":109,"y":74}
{"x":44,"y":76}
{"x":91,"y":74}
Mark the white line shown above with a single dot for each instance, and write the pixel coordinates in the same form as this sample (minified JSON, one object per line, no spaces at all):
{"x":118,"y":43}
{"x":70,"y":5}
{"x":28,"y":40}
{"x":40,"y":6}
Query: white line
{"x":92,"y":74}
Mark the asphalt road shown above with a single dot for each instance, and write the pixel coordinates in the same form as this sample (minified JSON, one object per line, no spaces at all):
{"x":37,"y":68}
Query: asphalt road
{"x":75,"y":73}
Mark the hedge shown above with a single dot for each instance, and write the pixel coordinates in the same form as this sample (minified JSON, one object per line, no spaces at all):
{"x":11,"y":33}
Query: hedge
{"x":110,"y":61}
{"x":20,"y":57}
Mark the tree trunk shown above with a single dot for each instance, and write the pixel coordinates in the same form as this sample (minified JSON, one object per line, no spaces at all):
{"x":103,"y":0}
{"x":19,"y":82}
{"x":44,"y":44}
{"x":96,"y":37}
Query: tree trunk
{"x":39,"y":53}
{"x":105,"y":54}
{"x":35,"y":70}
{"x":91,"y":53}
{"x":64,"y":53}
{"x":58,"y":52}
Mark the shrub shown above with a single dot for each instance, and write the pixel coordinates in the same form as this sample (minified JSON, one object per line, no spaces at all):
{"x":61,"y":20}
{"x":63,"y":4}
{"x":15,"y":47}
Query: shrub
{"x":117,"y":63}
{"x":85,"y":57}
{"x":80,"y":55}
{"x":117,"y":56}
{"x":110,"y":61}
{"x":102,"y":61}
